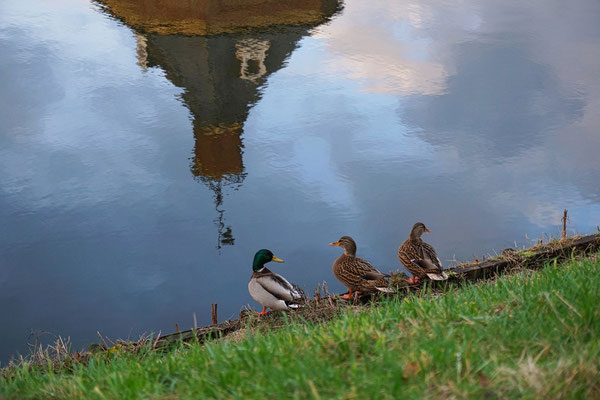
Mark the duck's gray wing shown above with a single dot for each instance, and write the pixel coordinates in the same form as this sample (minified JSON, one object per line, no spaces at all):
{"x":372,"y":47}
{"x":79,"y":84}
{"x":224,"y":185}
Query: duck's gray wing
{"x":278,"y":286}
{"x":430,"y":255}
{"x":431,"y":264}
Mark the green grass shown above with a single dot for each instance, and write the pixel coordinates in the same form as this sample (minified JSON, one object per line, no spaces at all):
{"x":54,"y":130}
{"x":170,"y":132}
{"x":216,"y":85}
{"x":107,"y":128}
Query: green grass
{"x":531,"y":335}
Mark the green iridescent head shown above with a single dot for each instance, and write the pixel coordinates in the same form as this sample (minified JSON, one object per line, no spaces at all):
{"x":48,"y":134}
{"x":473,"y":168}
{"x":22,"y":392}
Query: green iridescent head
{"x":262,"y":257}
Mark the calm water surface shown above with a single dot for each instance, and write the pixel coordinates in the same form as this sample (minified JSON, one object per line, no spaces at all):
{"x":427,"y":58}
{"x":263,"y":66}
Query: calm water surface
{"x":141,"y":169}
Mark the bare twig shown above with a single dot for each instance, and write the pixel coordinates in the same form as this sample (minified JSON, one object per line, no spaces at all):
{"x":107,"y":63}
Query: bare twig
{"x":106,"y":345}
{"x":317,"y":294}
{"x":564,"y":222}
{"x":213,"y":309}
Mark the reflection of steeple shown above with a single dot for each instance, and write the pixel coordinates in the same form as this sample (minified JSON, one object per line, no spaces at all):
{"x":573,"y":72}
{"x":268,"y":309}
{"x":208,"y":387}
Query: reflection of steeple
{"x":221,"y":74}
{"x":218,"y":152}
{"x":225,"y":237}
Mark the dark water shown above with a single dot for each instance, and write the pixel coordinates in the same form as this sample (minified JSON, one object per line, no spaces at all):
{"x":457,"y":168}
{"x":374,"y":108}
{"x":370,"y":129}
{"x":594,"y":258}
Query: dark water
{"x":140,"y":169}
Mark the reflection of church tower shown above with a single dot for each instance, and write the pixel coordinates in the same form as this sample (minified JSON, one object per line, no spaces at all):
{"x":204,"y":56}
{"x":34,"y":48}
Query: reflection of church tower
{"x":221,"y":63}
{"x":217,"y":161}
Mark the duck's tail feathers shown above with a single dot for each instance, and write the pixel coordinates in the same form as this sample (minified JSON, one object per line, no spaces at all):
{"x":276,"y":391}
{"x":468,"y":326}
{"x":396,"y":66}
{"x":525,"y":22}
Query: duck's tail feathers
{"x":298,"y":294}
{"x":429,"y":267}
{"x":385,"y":289}
{"x":437,"y":277}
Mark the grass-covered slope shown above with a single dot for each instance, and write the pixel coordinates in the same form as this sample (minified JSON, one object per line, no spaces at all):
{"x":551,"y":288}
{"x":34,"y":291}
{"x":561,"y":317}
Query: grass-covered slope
{"x":531,"y":335}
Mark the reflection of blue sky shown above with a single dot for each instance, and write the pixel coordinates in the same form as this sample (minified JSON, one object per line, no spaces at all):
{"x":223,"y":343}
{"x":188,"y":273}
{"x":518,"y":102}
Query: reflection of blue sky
{"x":502,"y":98}
{"x":468,"y":128}
{"x":74,"y":71}
{"x":323,"y":146}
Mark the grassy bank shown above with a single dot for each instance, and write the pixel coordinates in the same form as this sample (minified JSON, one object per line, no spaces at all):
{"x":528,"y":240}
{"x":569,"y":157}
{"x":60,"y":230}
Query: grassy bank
{"x":530,"y":335}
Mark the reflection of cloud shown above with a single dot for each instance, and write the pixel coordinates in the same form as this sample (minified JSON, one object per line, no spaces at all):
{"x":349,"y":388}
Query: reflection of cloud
{"x":494,"y":90}
{"x":391,"y":58}
{"x":499,"y":102}
{"x":61,"y":105}
{"x":517,"y":110}
{"x":544,"y":213}
{"x":534,"y":207}
{"x":320,"y":176}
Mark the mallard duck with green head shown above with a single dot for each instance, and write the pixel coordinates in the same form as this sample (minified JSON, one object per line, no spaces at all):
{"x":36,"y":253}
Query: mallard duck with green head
{"x":420,"y":258}
{"x":269,"y":289}
{"x":356,"y":274}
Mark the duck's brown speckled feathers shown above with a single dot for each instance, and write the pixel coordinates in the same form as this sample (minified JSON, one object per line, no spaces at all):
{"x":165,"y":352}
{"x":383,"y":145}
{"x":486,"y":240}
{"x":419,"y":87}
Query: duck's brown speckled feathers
{"x":420,"y":258}
{"x":356,"y":273}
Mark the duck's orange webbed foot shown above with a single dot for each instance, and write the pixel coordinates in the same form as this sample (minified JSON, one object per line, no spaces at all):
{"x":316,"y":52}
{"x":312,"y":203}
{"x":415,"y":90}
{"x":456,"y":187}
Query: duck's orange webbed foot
{"x":413,"y":280}
{"x":264,"y":311}
{"x":348,"y":295}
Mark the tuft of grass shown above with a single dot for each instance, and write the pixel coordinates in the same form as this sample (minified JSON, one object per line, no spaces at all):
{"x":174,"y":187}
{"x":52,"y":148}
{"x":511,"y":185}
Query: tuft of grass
{"x":526,"y":253}
{"x":529,"y":335}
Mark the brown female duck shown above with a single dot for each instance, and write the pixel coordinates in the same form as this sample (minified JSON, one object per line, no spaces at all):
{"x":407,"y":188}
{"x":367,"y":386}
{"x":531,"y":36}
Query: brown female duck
{"x":355,"y":273}
{"x":419,"y":258}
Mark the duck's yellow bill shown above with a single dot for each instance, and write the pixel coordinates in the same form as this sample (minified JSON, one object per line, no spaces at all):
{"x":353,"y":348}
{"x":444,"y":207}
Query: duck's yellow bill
{"x":334,"y":244}
{"x":276,"y":259}
{"x":427,"y":230}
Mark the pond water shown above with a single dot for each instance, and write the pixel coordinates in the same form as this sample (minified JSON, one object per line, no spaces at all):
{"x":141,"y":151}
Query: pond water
{"x":147,"y":152}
